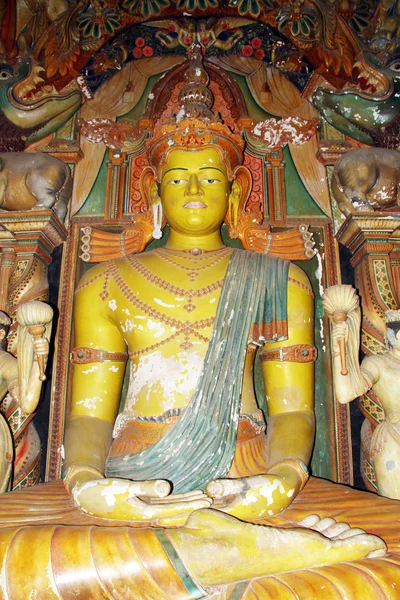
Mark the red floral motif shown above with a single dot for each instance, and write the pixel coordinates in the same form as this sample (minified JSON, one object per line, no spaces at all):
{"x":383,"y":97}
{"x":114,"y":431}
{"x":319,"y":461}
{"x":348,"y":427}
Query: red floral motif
{"x":147,"y":51}
{"x":259,"y":54}
{"x":171,"y":27}
{"x":187,"y":40}
{"x":256,"y":42}
{"x":137,"y":52}
{"x":247,"y":50}
{"x":139,"y":42}
{"x":224,"y":26}
{"x":205,"y":40}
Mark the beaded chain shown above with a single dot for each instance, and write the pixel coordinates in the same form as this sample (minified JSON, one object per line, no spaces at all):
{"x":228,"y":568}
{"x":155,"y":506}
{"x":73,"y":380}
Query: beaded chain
{"x":192,"y":272}
{"x":190,"y":294}
{"x":185,"y":327}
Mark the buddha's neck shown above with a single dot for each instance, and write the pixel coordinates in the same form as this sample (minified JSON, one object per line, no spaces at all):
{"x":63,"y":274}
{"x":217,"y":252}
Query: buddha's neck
{"x":180,"y":241}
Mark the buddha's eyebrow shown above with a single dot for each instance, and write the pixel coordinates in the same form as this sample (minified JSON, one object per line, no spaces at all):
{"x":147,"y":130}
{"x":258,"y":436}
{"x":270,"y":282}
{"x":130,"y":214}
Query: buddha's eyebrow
{"x":215,"y":168}
{"x":176,"y":169}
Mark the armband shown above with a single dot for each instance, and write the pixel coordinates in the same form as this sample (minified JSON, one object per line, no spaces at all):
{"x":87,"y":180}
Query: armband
{"x":83,"y":356}
{"x":300,"y":353}
{"x":297,"y":465}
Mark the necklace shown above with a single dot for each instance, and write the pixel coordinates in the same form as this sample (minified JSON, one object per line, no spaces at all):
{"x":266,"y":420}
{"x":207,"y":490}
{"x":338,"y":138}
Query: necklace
{"x":166,"y":285}
{"x":192,"y":270}
{"x":186,"y":328}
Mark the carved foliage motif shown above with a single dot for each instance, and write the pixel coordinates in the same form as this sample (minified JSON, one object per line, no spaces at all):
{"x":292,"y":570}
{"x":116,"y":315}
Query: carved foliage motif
{"x":137,"y":202}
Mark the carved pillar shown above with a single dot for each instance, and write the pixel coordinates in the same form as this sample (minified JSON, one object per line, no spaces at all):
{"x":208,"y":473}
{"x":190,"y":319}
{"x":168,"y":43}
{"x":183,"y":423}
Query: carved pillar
{"x":7,"y":264}
{"x":374,"y":241}
{"x":276,"y":187}
{"x":27,"y":240}
{"x":117,"y":165}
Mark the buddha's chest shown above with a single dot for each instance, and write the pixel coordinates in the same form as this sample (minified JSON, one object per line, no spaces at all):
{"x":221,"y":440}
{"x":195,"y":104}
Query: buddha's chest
{"x":165,"y":303}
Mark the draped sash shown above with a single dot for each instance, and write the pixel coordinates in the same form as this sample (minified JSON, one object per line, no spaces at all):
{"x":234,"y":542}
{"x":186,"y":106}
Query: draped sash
{"x":201,"y":445}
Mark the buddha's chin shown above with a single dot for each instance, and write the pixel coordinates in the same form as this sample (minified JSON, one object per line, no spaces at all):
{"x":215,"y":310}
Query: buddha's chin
{"x":195,"y":220}
{"x":197,"y":225}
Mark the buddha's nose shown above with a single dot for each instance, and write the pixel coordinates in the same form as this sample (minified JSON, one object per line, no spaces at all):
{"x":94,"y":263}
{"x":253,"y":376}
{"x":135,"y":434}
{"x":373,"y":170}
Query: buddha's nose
{"x":194,"y":186}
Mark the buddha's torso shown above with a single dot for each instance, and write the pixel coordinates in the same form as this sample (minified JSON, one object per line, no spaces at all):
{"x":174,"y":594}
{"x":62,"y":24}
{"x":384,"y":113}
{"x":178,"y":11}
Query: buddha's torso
{"x":164,"y":303}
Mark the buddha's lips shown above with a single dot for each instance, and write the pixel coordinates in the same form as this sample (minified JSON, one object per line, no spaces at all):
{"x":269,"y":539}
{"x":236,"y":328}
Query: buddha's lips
{"x":194,"y":204}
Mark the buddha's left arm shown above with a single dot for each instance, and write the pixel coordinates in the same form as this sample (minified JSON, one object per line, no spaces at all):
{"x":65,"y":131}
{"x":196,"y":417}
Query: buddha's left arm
{"x":289,"y":386}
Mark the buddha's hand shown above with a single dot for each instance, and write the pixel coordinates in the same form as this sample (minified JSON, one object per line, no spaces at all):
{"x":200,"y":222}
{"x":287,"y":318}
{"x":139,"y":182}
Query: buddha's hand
{"x":147,"y":502}
{"x":256,"y":497}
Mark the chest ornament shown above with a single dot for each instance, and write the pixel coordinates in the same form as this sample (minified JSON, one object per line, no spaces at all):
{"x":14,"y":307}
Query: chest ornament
{"x":186,"y":328}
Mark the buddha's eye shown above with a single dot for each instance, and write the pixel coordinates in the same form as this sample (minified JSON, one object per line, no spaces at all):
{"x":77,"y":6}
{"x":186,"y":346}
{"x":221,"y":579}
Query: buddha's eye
{"x":211,"y":181}
{"x":176,"y":181}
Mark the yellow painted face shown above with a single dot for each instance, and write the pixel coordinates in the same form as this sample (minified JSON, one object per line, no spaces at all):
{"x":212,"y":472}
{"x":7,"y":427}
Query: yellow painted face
{"x":194,"y":191}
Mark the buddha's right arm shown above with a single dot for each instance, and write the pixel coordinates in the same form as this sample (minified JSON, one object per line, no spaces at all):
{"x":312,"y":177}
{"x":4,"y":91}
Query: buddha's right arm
{"x":96,"y":390}
{"x":96,"y":386}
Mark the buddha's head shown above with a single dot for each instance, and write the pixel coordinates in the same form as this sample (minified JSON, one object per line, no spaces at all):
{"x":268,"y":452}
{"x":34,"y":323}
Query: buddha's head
{"x":196,"y":162}
{"x":195,"y":191}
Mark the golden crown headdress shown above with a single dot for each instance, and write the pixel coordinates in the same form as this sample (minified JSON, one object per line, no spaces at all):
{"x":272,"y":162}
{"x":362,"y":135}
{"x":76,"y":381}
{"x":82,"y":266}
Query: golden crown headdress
{"x":195,"y":126}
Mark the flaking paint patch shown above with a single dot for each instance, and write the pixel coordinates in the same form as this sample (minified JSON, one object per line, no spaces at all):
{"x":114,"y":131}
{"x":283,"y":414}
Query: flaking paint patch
{"x":156,"y":328}
{"x":50,"y":578}
{"x":113,"y":304}
{"x":127,"y":326}
{"x":91,"y":370}
{"x":177,"y":374}
{"x":90,"y":403}
{"x":268,"y":489}
{"x":164,"y":304}
{"x":250,"y":499}
{"x":114,"y":369}
{"x":109,"y":492}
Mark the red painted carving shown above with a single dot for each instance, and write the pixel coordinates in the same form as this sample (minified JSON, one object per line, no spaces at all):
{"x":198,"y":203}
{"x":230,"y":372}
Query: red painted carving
{"x":137,"y":202}
{"x":255,"y":203}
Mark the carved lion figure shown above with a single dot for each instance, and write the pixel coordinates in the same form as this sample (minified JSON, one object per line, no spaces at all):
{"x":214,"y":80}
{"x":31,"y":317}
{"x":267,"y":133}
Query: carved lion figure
{"x":367,"y":179}
{"x":34,"y":181}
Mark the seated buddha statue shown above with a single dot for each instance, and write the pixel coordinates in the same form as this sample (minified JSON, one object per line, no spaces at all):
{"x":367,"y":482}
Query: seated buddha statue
{"x":167,"y":496}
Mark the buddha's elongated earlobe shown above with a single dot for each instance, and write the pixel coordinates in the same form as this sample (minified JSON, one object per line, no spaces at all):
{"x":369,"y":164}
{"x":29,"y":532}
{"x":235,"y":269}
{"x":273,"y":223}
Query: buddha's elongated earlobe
{"x":157,"y":211}
{"x":233,"y":208}
{"x":157,"y":219}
